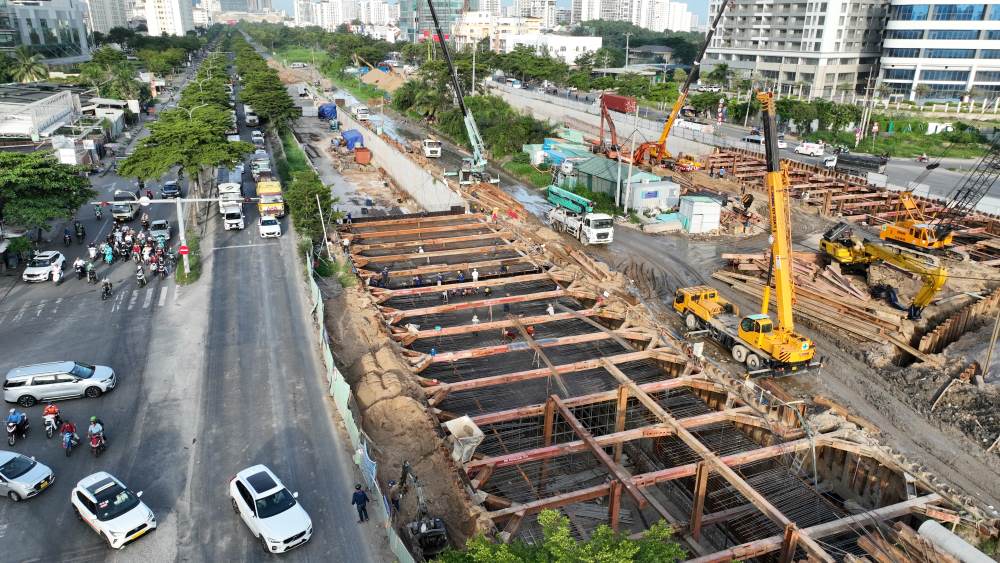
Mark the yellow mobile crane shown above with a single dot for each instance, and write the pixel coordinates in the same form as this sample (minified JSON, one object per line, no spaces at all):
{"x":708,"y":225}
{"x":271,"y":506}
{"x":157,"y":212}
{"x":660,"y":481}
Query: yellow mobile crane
{"x":755,"y":340}
{"x":856,"y":254}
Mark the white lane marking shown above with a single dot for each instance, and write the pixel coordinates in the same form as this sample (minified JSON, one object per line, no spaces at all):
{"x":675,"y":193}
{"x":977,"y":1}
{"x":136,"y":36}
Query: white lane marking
{"x":55,"y":310}
{"x":119,"y":301}
{"x":38,"y":310}
{"x":3,"y":317}
{"x":148,"y":299}
{"x":20,"y":312}
{"x":133,"y":299}
{"x":163,"y":297}
{"x":177,"y":292}
{"x":247,"y":245}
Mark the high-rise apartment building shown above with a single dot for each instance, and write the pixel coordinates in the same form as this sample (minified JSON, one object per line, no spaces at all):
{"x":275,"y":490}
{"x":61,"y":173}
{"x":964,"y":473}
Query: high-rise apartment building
{"x":234,"y":5}
{"x":661,"y":15}
{"x":489,"y":6}
{"x":374,"y":12}
{"x":942,"y":51}
{"x":55,"y":29}
{"x":474,"y":27}
{"x":585,"y":10}
{"x":171,"y":17}
{"x":817,"y":47}
{"x":415,"y":17}
{"x":106,"y":14}
{"x":544,"y":10}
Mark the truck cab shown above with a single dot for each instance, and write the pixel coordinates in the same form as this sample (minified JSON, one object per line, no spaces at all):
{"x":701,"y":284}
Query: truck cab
{"x":703,"y":302}
{"x":125,"y":206}
{"x":360,"y":113}
{"x":250,"y":117}
{"x":232,"y":216}
{"x":432,"y":148}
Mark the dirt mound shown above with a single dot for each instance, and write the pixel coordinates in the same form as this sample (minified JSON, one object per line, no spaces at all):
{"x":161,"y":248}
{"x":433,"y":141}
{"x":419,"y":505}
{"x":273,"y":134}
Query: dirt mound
{"x":393,"y":413}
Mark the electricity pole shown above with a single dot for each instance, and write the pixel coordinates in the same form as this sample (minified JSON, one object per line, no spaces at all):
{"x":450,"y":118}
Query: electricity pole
{"x":627,"y":36}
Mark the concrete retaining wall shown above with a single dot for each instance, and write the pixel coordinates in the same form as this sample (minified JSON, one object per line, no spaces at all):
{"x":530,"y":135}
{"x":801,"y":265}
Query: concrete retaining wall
{"x":432,"y":193}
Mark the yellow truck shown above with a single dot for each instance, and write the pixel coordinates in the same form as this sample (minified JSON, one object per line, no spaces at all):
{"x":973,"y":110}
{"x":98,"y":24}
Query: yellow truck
{"x":271,"y":201}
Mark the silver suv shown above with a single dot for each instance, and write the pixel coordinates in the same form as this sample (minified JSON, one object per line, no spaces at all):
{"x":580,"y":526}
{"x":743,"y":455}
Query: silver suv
{"x":28,"y":385}
{"x":22,"y":477}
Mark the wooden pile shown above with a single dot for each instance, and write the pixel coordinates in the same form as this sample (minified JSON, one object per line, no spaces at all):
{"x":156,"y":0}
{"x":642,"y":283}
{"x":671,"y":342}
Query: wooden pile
{"x":965,"y":319}
{"x":826,"y":298}
{"x":908,"y":546}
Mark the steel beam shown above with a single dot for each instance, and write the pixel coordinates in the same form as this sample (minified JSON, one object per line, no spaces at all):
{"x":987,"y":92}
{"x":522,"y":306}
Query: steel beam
{"x":430,"y":241}
{"x":417,"y":220}
{"x":435,"y":268}
{"x":362,"y":261}
{"x":540,"y":343}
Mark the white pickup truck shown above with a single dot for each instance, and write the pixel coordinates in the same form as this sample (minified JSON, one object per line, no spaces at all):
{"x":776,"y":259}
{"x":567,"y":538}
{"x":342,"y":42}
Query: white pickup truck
{"x":590,"y":228}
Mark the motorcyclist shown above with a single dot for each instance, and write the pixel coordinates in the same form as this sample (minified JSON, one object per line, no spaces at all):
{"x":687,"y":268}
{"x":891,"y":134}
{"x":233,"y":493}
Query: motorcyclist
{"x":161,"y":269}
{"x":106,"y":287}
{"x":68,"y":432}
{"x":923,"y":157}
{"x":52,"y":410}
{"x":19,"y":419}
{"x":140,"y":274}
{"x":91,"y":272}
{"x":97,"y":210}
{"x":56,"y":271}
{"x":92,"y":250}
{"x":81,"y":231}
{"x":95,"y":428}
{"x":145,"y":220}
{"x":67,"y":236}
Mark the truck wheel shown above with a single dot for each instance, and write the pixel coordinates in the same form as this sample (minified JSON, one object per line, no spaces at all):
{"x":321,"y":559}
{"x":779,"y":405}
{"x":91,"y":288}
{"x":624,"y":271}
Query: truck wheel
{"x":691,"y":321}
{"x":740,"y":353}
{"x":753,"y":362}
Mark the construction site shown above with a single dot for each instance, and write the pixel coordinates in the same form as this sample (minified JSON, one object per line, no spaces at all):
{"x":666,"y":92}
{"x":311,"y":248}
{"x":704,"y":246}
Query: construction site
{"x":849,"y":414}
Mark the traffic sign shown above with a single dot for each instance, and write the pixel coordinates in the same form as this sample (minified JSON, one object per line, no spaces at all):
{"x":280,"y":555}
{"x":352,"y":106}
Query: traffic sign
{"x":144,"y":201}
{"x":183,"y":250}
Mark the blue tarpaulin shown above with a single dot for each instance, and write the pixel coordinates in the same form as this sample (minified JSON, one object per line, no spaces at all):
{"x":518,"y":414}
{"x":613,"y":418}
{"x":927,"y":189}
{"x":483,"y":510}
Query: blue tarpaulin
{"x":353,"y":138}
{"x":328,"y":111}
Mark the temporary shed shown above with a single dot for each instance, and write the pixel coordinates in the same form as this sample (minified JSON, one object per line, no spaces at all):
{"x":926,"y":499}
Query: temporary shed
{"x":700,"y":214}
{"x":601,"y":175}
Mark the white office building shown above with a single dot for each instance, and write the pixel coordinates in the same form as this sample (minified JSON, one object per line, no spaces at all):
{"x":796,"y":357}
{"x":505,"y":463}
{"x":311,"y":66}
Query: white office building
{"x":821,"y":49}
{"x":585,"y":10}
{"x":106,"y":14}
{"x":375,"y":12}
{"x":563,"y":47}
{"x":171,"y":17}
{"x":942,"y":52}
{"x":662,"y":15}
{"x":489,"y":6}
{"x":544,"y":10}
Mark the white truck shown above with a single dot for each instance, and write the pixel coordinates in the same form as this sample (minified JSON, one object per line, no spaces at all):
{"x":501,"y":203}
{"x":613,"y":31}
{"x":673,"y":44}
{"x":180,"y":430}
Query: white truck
{"x":432,"y":148}
{"x":360,"y":113}
{"x":250,"y":117}
{"x":574,"y":214}
{"x":231,"y":206}
{"x":810,"y":149}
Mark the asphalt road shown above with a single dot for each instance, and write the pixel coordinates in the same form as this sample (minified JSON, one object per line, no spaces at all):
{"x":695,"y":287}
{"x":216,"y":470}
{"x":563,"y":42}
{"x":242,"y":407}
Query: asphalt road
{"x":213,"y":377}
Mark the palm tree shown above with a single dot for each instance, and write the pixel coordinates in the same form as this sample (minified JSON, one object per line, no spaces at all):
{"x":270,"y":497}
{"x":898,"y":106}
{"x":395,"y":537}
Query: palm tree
{"x":922,"y":91}
{"x":28,"y":67}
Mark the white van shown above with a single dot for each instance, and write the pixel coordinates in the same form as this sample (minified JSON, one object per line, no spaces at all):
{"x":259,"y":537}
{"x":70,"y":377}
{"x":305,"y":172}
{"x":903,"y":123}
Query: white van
{"x":811,"y":149}
{"x":298,"y":65}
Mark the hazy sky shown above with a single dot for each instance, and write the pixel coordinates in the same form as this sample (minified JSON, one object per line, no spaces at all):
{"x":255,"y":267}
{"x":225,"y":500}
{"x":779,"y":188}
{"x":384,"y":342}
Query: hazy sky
{"x":699,"y":7}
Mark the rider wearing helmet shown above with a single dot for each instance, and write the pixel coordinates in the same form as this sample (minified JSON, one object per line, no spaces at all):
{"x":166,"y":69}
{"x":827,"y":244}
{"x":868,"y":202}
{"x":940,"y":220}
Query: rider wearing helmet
{"x":95,"y":428}
{"x":18,"y":418}
{"x":51,"y":409}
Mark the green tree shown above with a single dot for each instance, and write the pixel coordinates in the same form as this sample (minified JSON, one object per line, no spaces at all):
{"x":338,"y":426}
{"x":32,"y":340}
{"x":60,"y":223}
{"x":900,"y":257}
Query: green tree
{"x":720,"y":74}
{"x":28,"y":67}
{"x":6,"y":68}
{"x":680,"y":76}
{"x":300,"y":195}
{"x":559,"y":546}
{"x":606,"y":57}
{"x":192,"y":139}
{"x":35,"y":189}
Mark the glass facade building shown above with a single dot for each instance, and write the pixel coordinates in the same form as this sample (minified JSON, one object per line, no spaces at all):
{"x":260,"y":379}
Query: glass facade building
{"x":416,"y":24}
{"x":55,"y":29}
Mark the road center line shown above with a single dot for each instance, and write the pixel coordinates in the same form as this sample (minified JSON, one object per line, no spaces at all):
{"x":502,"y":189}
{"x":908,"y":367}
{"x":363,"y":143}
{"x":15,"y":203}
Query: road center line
{"x":163,"y":297}
{"x":133,"y":299}
{"x":246,"y":245}
{"x":148,"y":299}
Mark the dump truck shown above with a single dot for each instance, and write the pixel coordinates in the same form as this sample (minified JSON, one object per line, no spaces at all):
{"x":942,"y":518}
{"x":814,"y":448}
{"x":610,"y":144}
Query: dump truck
{"x":574,"y":214}
{"x":271,"y":201}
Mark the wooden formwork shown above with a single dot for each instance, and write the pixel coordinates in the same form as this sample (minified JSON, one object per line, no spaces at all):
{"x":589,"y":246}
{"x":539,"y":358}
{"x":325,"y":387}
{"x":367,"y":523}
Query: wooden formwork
{"x":963,"y":320}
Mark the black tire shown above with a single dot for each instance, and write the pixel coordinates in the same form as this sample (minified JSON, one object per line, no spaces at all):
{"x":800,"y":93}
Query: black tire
{"x":68,"y":451}
{"x":236,"y":509}
{"x":754,"y":362}
{"x":11,"y":439}
{"x":263,"y":544}
{"x":14,"y":496}
{"x":92,"y":392}
{"x":27,"y":401}
{"x":49,"y":431}
{"x":76,"y":511}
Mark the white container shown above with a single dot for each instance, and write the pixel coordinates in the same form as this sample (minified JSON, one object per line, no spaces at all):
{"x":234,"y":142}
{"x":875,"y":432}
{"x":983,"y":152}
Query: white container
{"x":700,"y":214}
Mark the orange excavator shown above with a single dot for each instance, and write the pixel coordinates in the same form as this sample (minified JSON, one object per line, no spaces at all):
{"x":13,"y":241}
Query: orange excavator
{"x":612,"y":148}
{"x":656,"y":153}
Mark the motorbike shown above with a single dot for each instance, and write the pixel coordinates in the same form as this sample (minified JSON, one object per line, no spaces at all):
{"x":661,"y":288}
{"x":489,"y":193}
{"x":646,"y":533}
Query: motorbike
{"x":14,"y":431}
{"x":81,"y":232}
{"x":106,"y":293}
{"x":145,"y":224}
{"x":923,"y":159}
{"x":161,"y":269}
{"x":80,"y":272}
{"x":52,"y":424}
{"x":92,"y":251}
{"x":69,"y":442}
{"x":140,"y":278}
{"x":57,"y":276}
{"x":97,"y":212}
{"x":67,"y":239}
{"x":97,"y":445}
{"x":91,"y":276}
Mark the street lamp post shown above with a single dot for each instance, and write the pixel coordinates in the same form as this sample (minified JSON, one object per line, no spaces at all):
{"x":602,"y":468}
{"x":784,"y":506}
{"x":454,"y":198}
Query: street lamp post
{"x":627,"y":36}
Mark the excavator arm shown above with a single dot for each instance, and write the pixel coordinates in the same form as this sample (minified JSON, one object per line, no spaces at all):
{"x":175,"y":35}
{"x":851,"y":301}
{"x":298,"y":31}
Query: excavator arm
{"x":931,"y":274}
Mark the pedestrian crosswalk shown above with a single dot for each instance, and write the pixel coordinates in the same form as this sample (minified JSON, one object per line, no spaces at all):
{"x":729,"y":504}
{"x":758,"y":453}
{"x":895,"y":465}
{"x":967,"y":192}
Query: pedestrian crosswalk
{"x":125,"y":299}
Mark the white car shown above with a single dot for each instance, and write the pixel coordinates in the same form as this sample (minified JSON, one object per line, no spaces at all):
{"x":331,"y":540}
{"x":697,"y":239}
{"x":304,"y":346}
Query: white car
{"x":40,"y":266}
{"x":811,"y":149}
{"x":111,"y":509}
{"x":269,"y":510}
{"x":759,"y":140}
{"x":257,"y":137}
{"x":269,"y":227}
{"x":22,"y":477}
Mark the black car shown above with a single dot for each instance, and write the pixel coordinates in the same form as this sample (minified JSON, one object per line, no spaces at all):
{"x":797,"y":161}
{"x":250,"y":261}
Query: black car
{"x":170,"y":189}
